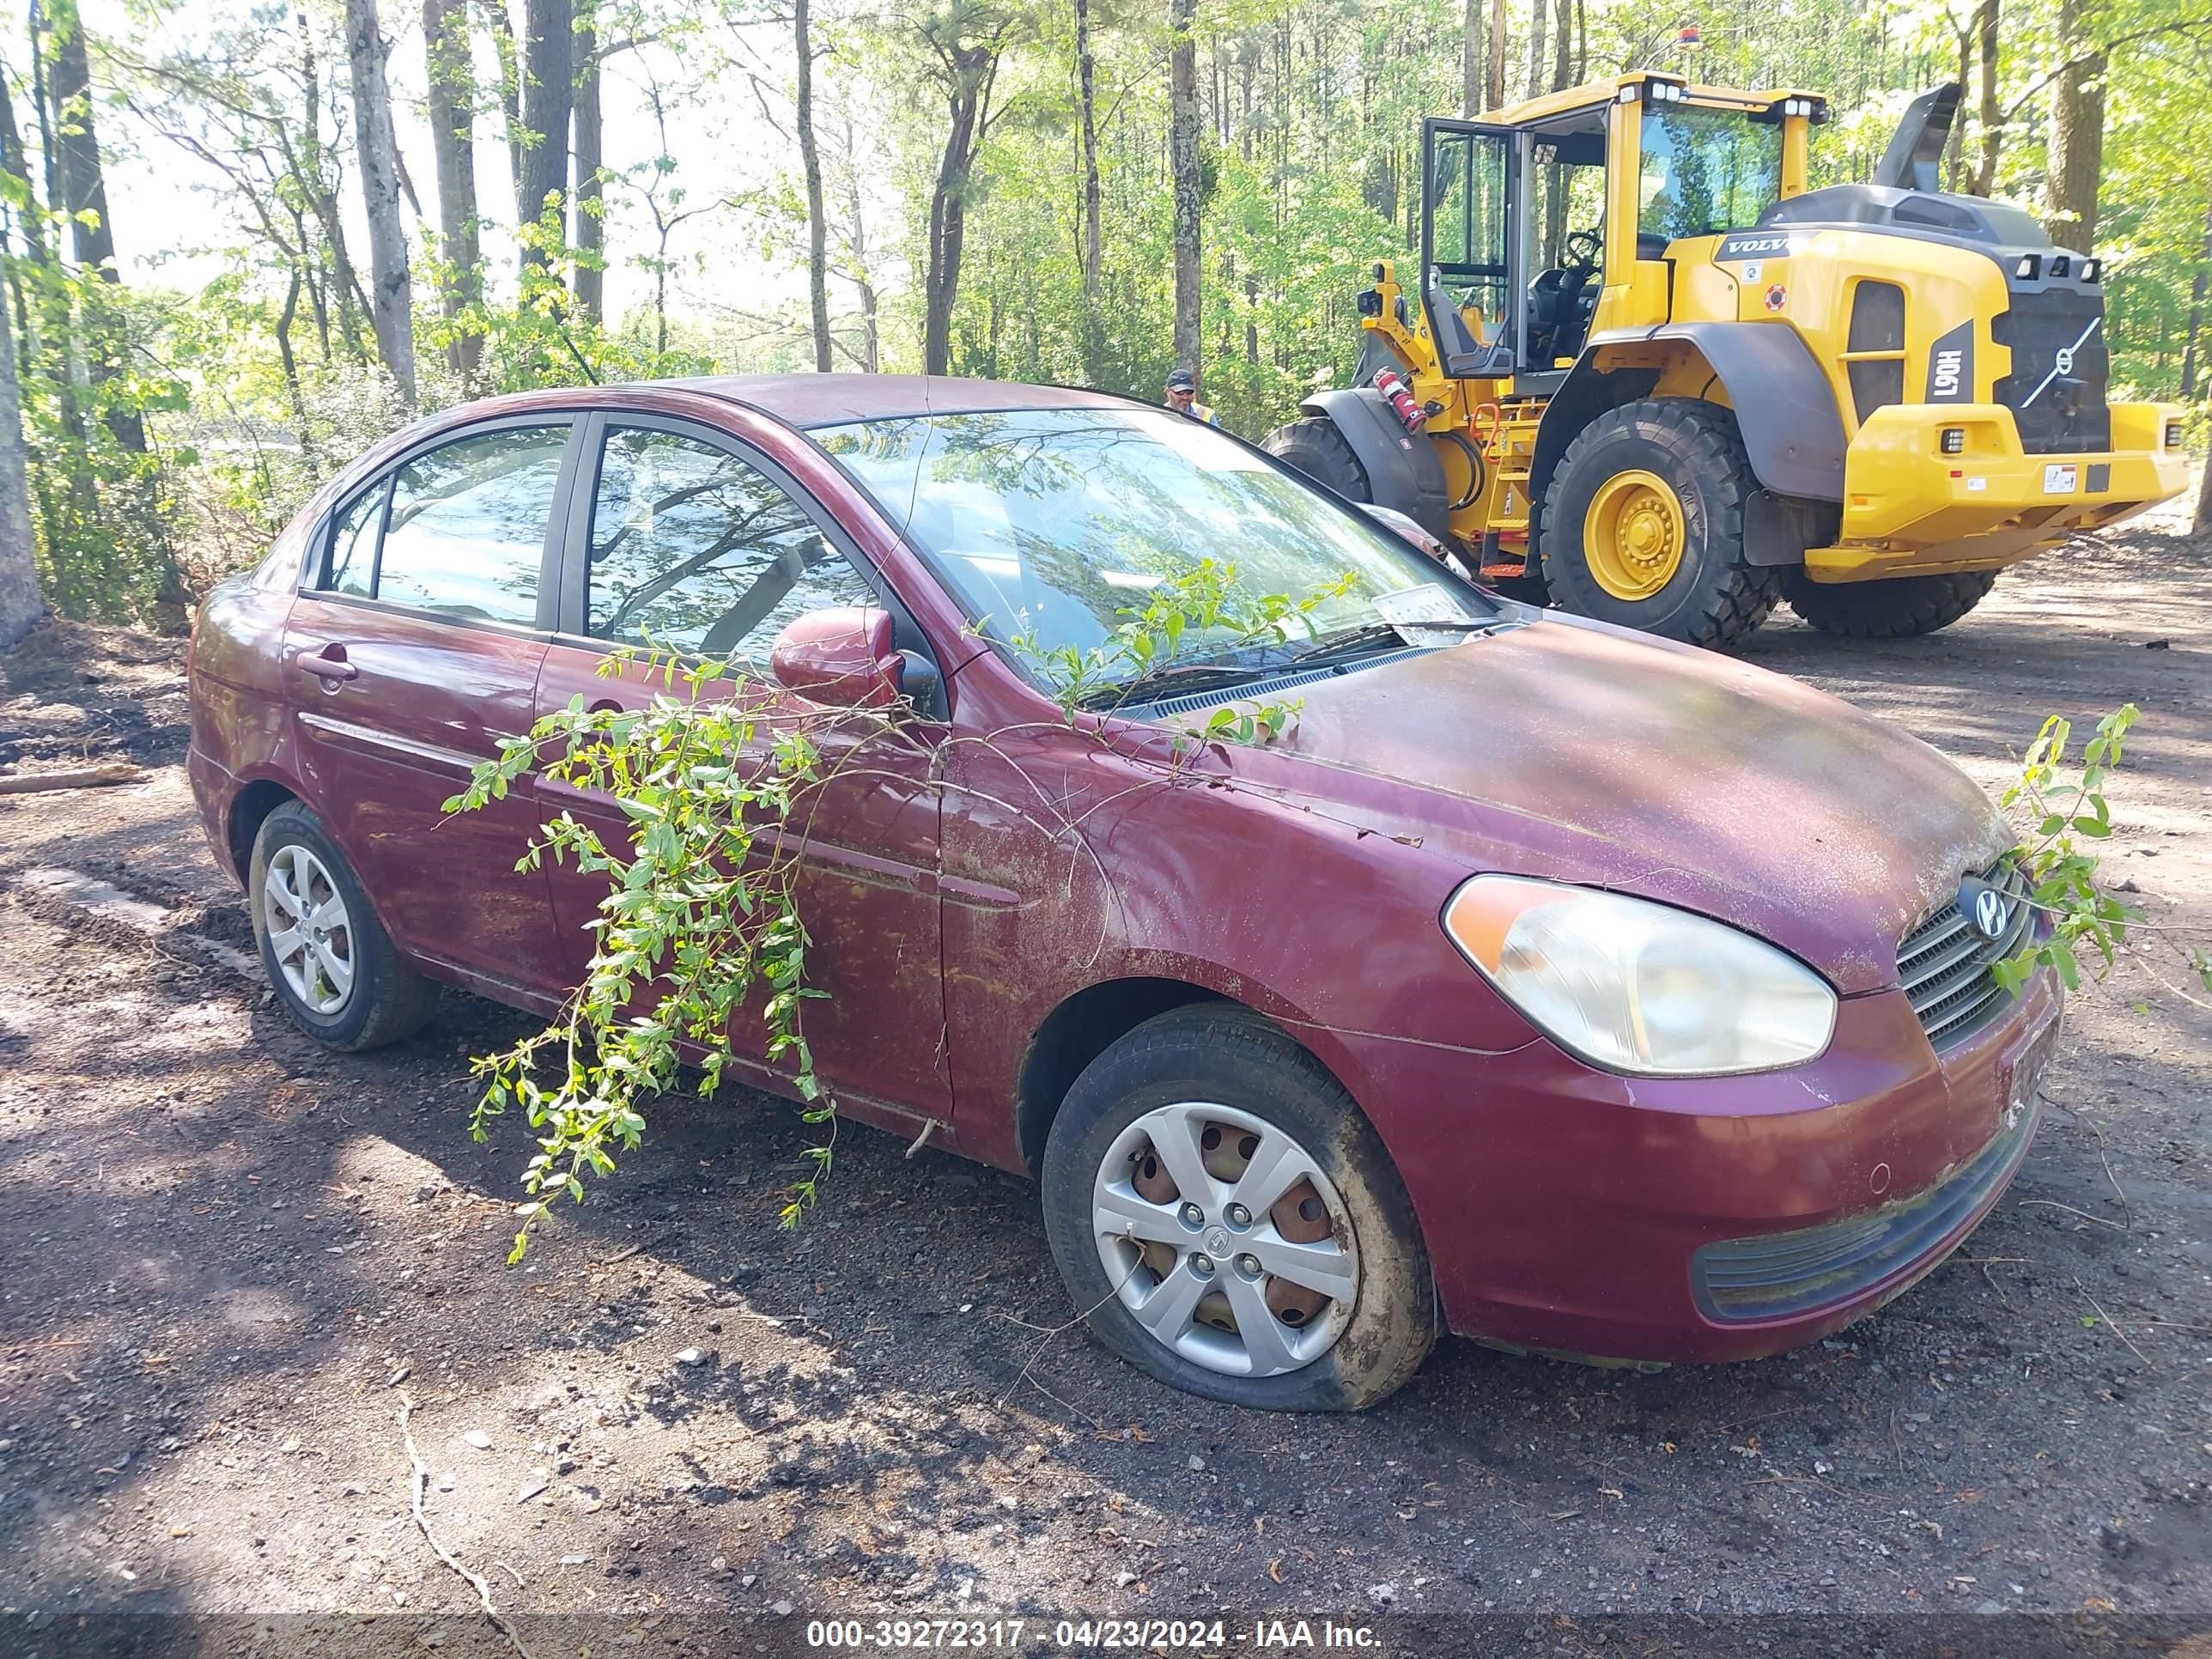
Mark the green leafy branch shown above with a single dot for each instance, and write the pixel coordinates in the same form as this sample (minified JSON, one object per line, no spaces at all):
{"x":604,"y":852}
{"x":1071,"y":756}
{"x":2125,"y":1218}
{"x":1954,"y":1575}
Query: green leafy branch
{"x":2066,"y":802}
{"x":696,"y":917}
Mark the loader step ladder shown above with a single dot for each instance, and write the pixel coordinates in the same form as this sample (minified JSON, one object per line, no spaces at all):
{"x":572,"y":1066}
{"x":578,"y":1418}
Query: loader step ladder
{"x":1505,"y":549}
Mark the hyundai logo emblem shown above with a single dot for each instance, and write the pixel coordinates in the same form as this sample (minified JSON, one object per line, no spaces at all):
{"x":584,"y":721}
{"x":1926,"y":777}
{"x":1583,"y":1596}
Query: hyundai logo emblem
{"x":1991,"y":913}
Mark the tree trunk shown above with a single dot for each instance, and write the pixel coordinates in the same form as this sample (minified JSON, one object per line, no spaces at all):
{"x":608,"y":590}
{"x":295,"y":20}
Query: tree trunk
{"x":83,"y":181}
{"x":1472,"y":45}
{"x":1538,"y":20}
{"x":548,"y":80}
{"x":1494,"y":79}
{"x":452,"y":139}
{"x":590,"y":235}
{"x":2077,"y":139}
{"x":510,"y":96}
{"x":2203,"y":521}
{"x":20,"y":603}
{"x":391,"y":297}
{"x":856,"y":247}
{"x":810,"y":161}
{"x":2196,"y":290}
{"x":1985,"y":176}
{"x":968,"y":69}
{"x":315,"y":180}
{"x":1183,"y":169}
{"x":1094,"y":330}
{"x":1563,"y":46}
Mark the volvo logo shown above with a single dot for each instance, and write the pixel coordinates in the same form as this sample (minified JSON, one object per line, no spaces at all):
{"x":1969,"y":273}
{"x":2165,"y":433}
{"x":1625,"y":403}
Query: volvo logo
{"x":1991,"y":913}
{"x":2064,"y":359}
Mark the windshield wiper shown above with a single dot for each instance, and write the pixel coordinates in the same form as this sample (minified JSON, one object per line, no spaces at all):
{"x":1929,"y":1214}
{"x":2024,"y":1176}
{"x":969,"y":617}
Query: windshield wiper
{"x":1183,"y":676}
{"x":1363,"y":638}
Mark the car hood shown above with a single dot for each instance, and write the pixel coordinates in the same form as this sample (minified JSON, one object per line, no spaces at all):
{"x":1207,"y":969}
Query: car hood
{"x":1582,"y":753}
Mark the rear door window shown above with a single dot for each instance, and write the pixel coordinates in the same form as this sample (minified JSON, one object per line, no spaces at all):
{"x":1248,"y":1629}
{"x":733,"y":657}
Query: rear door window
{"x":466,"y":535}
{"x":463,"y":533}
{"x":698,"y":550}
{"x":353,"y":542}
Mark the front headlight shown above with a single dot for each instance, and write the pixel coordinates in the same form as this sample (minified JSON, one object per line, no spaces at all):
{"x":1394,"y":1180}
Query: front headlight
{"x":1637,"y":987}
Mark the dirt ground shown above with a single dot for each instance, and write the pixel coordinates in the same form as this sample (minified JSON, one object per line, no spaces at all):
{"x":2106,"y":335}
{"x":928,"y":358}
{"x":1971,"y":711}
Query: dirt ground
{"x":237,"y":1274}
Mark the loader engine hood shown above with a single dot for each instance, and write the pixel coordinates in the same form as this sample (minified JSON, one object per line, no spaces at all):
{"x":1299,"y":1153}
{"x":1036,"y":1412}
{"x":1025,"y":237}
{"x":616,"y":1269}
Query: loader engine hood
{"x":2052,"y":324}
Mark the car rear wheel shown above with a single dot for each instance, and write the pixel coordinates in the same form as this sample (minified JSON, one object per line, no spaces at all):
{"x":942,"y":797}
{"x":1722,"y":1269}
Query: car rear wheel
{"x":1891,"y":610}
{"x":328,"y":958}
{"x":1226,"y":1219}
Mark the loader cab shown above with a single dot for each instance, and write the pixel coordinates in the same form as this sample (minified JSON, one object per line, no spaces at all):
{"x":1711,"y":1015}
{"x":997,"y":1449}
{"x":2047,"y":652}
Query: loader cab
{"x":1541,"y":227}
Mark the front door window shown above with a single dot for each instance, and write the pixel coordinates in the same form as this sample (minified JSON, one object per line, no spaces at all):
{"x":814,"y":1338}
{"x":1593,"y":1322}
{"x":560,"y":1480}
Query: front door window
{"x":696,"y":550}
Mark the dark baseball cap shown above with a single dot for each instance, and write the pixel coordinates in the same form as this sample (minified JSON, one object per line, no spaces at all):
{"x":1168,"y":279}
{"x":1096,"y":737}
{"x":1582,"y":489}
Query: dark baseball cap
{"x":1181,"y":379}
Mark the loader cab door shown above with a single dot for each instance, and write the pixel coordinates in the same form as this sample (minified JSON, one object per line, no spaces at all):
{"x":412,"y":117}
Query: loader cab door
{"x":1467,"y":289}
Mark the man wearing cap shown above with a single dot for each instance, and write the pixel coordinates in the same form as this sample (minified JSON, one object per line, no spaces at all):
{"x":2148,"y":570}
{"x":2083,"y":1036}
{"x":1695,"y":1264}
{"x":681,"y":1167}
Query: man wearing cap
{"x":1183,"y":397}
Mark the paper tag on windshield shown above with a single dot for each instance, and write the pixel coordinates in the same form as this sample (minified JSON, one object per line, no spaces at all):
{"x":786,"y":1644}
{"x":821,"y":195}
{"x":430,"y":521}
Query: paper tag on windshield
{"x":1410,"y":606}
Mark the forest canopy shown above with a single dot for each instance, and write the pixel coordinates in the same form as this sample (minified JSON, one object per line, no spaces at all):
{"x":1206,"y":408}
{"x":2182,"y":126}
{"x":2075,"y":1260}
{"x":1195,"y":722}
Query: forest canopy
{"x":243,"y":240}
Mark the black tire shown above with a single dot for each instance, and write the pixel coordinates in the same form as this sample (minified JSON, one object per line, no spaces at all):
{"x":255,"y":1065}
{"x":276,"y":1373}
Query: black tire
{"x":388,"y":1001}
{"x":1891,"y":610}
{"x":1316,"y":448}
{"x":1714,"y":599}
{"x":1228,"y":1056}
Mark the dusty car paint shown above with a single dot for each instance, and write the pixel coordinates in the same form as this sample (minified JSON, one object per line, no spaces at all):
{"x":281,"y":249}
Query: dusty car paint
{"x":1006,"y":894}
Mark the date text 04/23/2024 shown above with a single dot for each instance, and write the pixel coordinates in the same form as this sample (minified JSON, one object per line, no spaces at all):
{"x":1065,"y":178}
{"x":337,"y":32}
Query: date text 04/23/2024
{"x":1198,"y":1636}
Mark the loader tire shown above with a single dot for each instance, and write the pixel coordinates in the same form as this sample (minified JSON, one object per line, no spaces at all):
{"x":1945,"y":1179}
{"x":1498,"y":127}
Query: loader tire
{"x":1658,"y":487}
{"x":1891,"y":610}
{"x":1316,"y":448}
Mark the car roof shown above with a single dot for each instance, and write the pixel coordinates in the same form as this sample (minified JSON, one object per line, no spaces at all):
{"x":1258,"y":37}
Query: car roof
{"x":807,"y":400}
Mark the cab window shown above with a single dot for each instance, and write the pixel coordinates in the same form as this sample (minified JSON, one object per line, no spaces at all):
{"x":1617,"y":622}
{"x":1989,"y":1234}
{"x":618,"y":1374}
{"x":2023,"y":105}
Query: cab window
{"x":1706,"y":171}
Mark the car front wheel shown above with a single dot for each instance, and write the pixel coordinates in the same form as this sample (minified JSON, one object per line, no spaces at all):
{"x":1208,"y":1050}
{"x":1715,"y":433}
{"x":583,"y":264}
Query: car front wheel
{"x":1226,"y":1219}
{"x":329,"y":960}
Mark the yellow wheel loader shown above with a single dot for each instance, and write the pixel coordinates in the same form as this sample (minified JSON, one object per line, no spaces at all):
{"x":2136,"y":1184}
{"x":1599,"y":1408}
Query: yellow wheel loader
{"x":1648,"y":375}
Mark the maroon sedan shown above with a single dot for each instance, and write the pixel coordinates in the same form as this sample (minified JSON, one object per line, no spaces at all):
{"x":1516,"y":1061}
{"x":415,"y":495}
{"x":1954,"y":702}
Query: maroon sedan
{"x":1569,"y":990}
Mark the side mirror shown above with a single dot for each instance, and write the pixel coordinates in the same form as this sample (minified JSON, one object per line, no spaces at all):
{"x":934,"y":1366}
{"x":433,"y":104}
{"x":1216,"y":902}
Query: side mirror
{"x":841,"y":658}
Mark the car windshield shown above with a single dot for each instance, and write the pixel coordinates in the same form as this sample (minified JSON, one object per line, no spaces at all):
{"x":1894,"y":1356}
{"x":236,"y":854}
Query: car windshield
{"x":1050,"y":524}
{"x":1706,"y":170}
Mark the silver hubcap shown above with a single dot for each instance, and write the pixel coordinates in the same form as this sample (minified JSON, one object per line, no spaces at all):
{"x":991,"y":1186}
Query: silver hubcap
{"x":1223,"y":1236}
{"x":310,"y":936}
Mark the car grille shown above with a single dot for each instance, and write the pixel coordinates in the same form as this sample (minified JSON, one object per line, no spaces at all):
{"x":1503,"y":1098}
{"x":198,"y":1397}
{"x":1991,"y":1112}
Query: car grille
{"x":1944,"y":963}
{"x":1781,"y":1275}
{"x":2058,"y":411}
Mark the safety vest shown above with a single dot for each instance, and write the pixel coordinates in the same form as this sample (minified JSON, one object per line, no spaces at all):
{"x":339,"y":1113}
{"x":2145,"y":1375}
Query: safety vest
{"x":1199,"y":411}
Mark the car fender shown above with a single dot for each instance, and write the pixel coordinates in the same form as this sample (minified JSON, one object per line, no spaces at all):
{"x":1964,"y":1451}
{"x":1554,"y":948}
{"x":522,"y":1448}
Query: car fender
{"x":1403,"y":470}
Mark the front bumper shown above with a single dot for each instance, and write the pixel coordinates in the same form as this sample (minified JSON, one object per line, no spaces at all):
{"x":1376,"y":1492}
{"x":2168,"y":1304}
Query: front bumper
{"x":1567,"y":1210}
{"x":1909,"y":509}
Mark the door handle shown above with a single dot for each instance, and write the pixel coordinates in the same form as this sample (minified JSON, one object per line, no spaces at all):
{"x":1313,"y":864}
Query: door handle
{"x":326,"y":668}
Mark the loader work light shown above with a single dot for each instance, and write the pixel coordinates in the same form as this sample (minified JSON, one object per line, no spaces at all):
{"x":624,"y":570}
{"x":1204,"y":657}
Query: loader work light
{"x":2029,"y":265}
{"x":2091,"y":269}
{"x":2061,"y":265}
{"x":2173,"y":435}
{"x":1955,"y":441}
